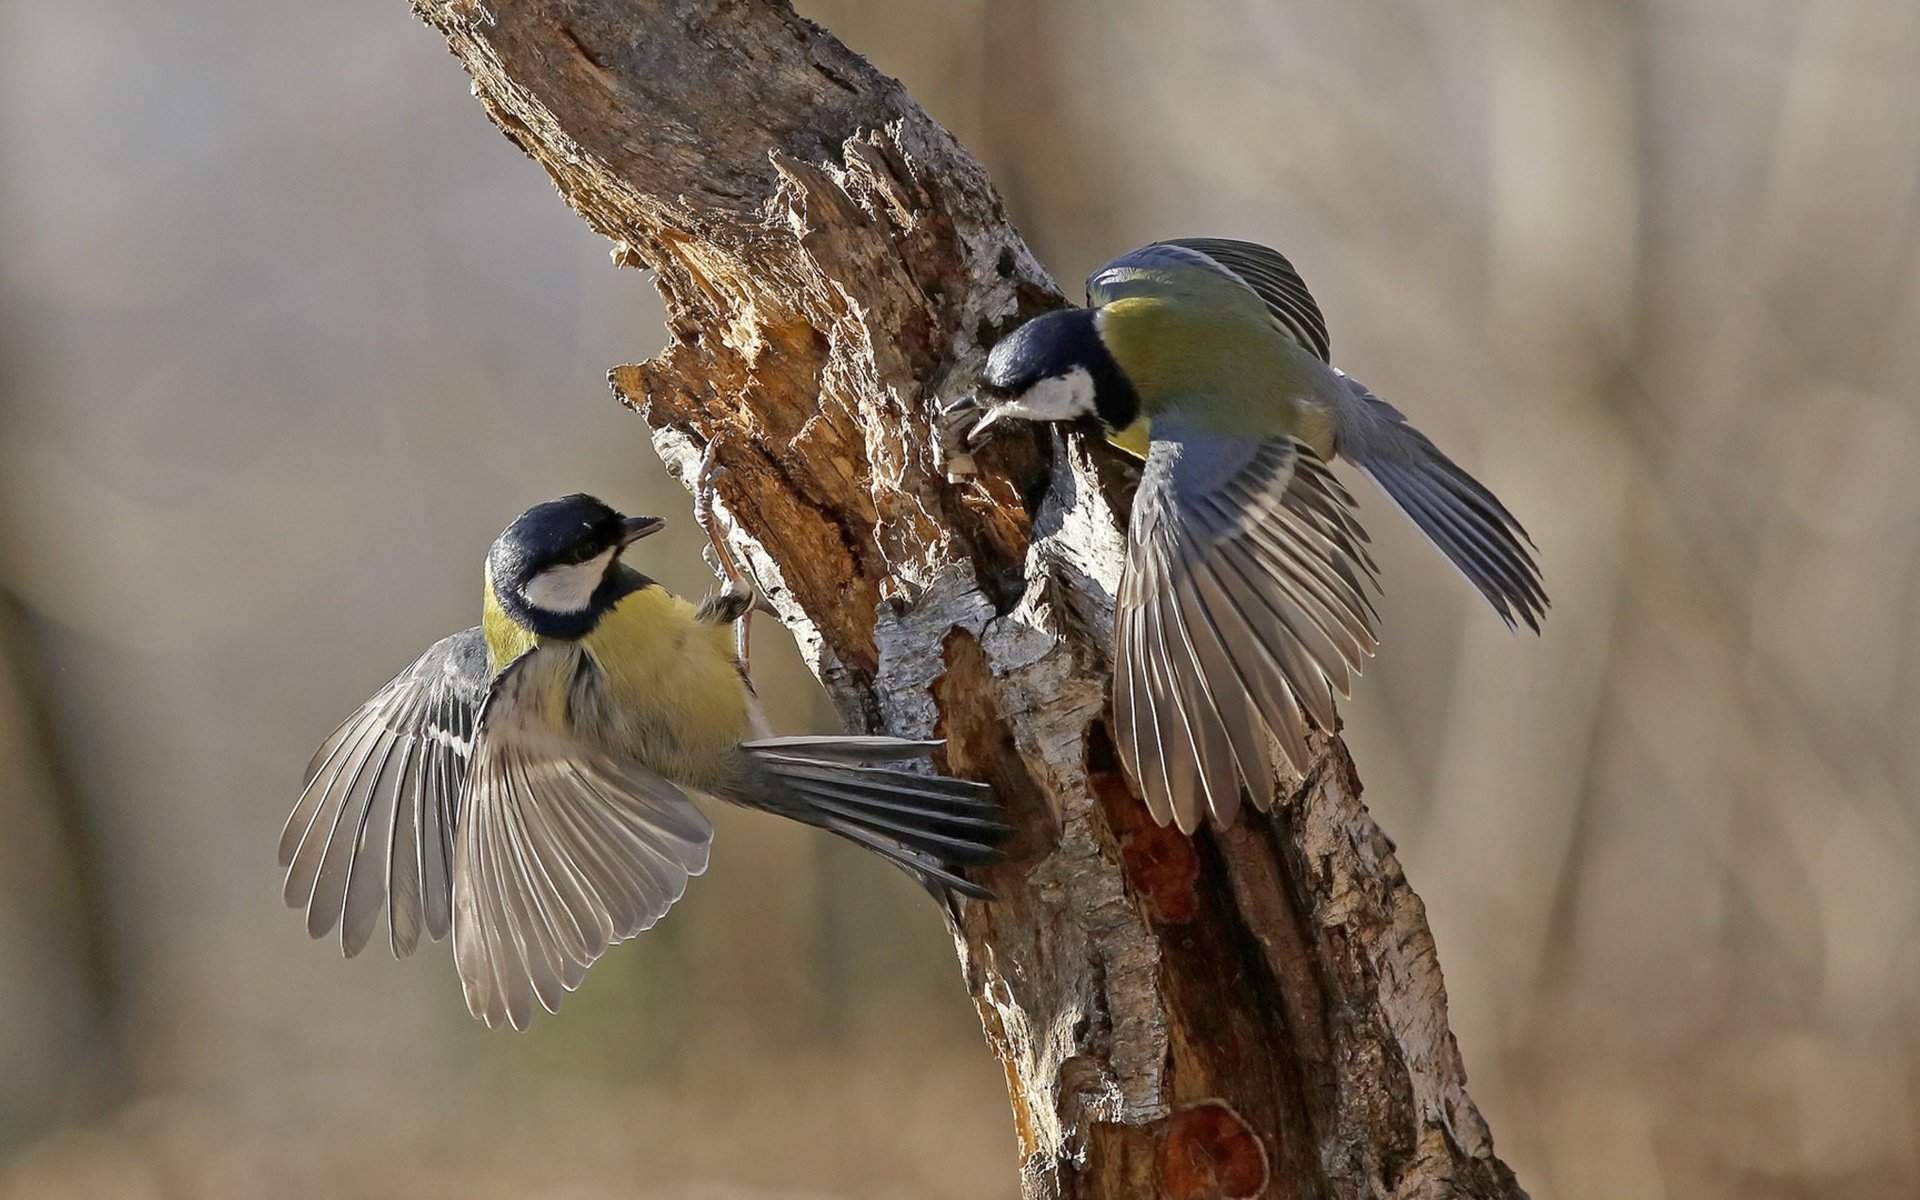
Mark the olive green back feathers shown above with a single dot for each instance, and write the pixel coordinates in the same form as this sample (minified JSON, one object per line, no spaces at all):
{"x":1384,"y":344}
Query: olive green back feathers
{"x":1245,"y":605}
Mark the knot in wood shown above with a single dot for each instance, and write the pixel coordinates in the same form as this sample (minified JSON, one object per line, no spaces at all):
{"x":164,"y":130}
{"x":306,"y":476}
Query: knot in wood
{"x":1210,"y":1153}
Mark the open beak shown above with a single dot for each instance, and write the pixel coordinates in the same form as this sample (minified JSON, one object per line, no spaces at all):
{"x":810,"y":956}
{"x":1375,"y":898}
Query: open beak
{"x":984,"y":427}
{"x":632,"y":529}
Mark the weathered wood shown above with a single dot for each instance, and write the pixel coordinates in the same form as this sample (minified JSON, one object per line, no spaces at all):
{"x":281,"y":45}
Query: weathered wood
{"x":1255,"y":1013}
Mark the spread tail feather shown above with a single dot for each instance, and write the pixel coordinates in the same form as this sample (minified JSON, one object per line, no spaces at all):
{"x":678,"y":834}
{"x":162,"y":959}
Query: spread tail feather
{"x":1457,"y":513}
{"x":929,"y":826}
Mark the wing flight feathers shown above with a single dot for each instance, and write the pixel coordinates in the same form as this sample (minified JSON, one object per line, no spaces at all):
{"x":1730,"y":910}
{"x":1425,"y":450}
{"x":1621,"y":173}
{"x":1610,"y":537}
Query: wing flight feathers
{"x":562,"y":850}
{"x":380,"y":798}
{"x":1456,"y":511}
{"x":1244,"y":602}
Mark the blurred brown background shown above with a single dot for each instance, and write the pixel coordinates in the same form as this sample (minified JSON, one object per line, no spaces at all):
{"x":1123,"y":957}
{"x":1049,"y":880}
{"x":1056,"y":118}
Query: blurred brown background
{"x":287,"y":332}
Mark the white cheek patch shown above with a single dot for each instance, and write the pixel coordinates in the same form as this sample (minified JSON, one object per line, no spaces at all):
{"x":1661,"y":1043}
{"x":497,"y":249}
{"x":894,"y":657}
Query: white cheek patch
{"x":569,"y":588}
{"x":1060,"y":398}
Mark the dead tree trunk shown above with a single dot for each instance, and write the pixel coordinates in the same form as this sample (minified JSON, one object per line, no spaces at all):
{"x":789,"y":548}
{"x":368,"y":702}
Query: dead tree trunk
{"x":1253,"y":1013}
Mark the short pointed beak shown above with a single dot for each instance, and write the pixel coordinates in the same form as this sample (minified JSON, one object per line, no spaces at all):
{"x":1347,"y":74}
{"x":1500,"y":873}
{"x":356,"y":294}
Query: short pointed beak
{"x":632,"y":529}
{"x":983,"y":427}
{"x":966,"y":402}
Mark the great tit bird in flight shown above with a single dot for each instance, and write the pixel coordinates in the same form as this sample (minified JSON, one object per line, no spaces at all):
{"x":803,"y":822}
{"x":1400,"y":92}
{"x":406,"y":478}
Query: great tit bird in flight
{"x":526,"y":783}
{"x":1244,"y":593}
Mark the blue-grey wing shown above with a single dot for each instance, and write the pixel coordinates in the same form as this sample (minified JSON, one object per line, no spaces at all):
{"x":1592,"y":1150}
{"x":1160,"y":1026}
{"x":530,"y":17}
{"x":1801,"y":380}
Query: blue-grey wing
{"x":1263,"y":272}
{"x":1244,"y":601}
{"x":375,"y":819}
{"x":1459,"y":515}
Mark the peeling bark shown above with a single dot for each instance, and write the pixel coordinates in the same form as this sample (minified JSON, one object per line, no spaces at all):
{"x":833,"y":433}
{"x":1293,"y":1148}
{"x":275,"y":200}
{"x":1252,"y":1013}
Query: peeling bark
{"x":1258,"y":1012}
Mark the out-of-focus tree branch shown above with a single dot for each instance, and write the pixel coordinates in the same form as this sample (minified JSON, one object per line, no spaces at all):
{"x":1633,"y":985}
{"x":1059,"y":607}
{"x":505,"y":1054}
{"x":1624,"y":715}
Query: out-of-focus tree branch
{"x":54,"y":879}
{"x":1257,"y":1012}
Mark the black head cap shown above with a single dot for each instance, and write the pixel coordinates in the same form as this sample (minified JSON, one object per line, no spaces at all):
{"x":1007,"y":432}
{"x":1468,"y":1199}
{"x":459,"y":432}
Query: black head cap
{"x":567,"y":532}
{"x":1053,"y":347}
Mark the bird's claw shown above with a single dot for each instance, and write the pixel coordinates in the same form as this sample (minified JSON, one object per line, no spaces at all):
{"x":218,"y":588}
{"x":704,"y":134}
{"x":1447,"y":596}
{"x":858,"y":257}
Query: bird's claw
{"x":704,"y":493}
{"x":739,"y":594}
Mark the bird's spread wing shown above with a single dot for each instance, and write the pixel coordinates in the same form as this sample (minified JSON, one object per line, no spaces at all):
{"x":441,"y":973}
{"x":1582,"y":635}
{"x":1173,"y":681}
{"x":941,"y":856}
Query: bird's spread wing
{"x":562,"y":849}
{"x":1265,"y":273}
{"x":1243,"y":602}
{"x":1274,"y":280}
{"x":1456,"y":512}
{"x":375,"y":819}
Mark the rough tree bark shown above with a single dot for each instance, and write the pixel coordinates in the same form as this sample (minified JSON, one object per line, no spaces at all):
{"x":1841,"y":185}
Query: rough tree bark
{"x":1257,"y":1012}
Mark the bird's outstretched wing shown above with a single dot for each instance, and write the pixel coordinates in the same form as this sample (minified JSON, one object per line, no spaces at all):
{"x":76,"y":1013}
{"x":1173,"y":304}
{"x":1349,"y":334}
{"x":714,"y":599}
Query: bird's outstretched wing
{"x":1264,"y":272}
{"x":1243,"y":601}
{"x":1274,"y":280}
{"x":1456,"y":511}
{"x":562,"y":849}
{"x":375,"y":818}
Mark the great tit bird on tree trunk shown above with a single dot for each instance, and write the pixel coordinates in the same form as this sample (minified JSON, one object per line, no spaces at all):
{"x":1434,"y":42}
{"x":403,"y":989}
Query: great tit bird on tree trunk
{"x":1244,"y":594}
{"x":526,"y":783}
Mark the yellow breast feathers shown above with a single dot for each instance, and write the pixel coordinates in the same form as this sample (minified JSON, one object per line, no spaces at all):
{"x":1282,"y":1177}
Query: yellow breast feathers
{"x":656,"y":657}
{"x":669,"y":694}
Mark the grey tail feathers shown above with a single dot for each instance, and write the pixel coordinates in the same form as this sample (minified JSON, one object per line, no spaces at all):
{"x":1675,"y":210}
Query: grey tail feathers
{"x":929,"y":826}
{"x":1456,"y":512}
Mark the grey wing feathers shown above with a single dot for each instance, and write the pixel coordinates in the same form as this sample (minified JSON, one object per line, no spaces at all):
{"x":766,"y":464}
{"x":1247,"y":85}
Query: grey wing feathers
{"x":1456,"y":512}
{"x":561,"y":852}
{"x":1274,"y":280}
{"x":849,"y":749}
{"x":1244,"y":600}
{"x":930,"y":826}
{"x":375,"y":818}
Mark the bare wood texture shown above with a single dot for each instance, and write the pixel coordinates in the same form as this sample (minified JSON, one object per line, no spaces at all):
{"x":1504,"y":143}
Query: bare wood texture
{"x":1256,"y":1013}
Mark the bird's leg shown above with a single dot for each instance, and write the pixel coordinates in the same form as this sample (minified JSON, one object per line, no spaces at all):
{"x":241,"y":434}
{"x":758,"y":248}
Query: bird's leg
{"x":739,"y":596}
